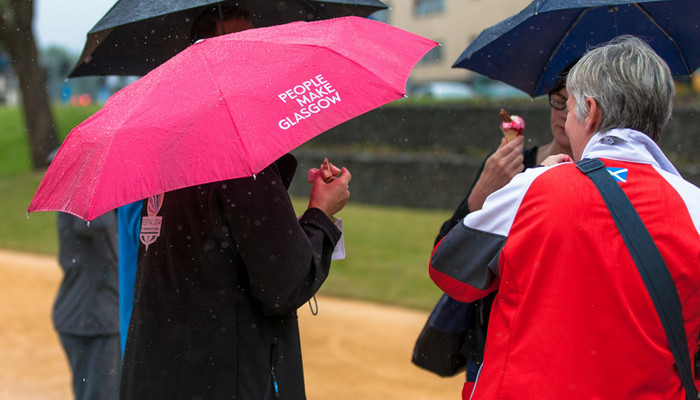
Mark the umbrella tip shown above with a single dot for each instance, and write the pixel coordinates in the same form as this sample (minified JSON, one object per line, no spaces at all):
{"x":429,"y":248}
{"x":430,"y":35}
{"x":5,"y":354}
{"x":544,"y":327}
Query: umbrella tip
{"x":27,"y":214}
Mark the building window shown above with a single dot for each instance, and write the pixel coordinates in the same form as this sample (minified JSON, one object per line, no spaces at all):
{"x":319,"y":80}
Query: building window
{"x":432,"y":57}
{"x":426,"y":7}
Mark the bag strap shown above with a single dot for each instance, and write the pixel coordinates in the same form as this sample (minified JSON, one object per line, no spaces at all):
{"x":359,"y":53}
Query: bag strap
{"x":650,"y":264}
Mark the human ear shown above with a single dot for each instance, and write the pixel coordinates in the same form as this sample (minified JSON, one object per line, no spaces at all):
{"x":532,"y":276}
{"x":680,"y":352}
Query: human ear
{"x":594,"y":116}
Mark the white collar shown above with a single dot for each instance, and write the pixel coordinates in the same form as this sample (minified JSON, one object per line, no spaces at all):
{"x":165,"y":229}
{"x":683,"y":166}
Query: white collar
{"x":627,"y":145}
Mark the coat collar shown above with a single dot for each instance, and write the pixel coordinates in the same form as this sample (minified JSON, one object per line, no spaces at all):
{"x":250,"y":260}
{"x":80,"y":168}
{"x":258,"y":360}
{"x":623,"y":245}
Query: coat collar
{"x":627,"y":145}
{"x":287,"y":166}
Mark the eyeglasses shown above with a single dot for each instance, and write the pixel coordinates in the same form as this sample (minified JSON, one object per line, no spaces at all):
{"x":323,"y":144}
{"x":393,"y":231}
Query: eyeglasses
{"x":557,"y":101}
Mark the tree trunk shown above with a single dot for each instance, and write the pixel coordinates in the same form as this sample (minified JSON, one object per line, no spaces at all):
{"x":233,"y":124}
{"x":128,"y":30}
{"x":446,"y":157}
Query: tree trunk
{"x":17,"y":36}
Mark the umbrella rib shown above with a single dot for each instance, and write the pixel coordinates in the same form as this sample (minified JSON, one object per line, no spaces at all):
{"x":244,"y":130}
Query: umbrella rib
{"x":327,"y":47}
{"x":653,"y":20}
{"x":559,"y":44}
{"x":233,"y":121}
{"x":381,"y":78}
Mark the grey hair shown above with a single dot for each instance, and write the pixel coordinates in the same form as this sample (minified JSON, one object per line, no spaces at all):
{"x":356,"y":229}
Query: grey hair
{"x":630,"y":82}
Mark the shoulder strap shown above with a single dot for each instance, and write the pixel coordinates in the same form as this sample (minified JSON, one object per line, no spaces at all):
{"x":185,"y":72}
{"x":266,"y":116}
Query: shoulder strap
{"x":650,"y":264}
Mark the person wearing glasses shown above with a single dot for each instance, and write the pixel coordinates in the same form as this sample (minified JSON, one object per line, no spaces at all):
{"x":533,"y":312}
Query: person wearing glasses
{"x":496,"y":171}
{"x":574,"y":317}
{"x":512,"y":158}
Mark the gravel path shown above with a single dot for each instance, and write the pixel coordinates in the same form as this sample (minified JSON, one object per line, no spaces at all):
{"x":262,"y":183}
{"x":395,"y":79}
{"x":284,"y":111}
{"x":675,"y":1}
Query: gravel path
{"x":352,"y":350}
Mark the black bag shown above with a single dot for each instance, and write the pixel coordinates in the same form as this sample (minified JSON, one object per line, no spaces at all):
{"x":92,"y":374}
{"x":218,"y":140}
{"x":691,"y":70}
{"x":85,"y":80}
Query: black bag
{"x":697,"y":365}
{"x":439,"y":347}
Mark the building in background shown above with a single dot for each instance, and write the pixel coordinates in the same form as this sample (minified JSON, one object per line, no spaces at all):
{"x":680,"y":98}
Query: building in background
{"x":452,"y":23}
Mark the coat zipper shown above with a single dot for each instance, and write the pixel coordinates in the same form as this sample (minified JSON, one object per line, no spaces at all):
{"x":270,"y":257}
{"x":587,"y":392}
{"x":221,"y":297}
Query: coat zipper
{"x":273,"y":374}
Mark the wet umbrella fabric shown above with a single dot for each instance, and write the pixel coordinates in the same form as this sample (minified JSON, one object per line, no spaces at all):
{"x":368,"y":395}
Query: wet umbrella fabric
{"x":529,"y":49}
{"x":227,"y":107}
{"x":135,"y":36}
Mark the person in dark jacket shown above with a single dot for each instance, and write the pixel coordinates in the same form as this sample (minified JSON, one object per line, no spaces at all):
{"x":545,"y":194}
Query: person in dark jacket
{"x":207,"y":24}
{"x":217,"y":289}
{"x":86,"y":309}
{"x":510,"y":159}
{"x":218,"y":19}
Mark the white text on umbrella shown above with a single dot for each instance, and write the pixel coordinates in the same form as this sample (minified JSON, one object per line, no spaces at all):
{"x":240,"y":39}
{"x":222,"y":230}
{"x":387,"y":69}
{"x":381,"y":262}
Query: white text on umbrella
{"x":312,"y":95}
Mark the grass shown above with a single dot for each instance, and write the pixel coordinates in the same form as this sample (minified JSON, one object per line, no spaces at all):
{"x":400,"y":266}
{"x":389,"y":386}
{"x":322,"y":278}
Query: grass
{"x":387,"y":247}
{"x":14,"y":144}
{"x":18,"y":182}
{"x":36,"y":234}
{"x":387,"y":252}
{"x":14,"y":148}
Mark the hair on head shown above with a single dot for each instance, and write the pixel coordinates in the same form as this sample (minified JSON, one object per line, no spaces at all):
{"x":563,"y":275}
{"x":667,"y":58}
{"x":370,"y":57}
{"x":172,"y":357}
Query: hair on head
{"x":631,"y":84}
{"x":204,"y":25}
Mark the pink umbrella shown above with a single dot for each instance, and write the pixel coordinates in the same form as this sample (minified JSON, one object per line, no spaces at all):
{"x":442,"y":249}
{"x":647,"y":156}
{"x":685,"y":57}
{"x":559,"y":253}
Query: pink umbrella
{"x":226,"y":108}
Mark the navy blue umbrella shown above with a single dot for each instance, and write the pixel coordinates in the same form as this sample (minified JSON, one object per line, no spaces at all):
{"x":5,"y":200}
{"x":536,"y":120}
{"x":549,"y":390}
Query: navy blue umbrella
{"x":531,"y":48}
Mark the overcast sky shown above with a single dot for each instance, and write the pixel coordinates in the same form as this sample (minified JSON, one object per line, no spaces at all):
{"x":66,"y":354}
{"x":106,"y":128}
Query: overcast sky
{"x":66,"y":22}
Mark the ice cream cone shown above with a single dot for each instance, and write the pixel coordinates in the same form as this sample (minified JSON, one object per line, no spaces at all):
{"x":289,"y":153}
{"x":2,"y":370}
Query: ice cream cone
{"x":510,"y":134}
{"x":512,"y":126}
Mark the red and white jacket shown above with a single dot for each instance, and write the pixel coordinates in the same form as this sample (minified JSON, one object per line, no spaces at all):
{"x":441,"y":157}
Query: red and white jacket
{"x":572,"y":318}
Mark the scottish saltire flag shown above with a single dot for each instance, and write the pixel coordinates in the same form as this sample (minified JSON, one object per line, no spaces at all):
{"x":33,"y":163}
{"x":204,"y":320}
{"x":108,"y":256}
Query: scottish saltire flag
{"x":620,"y":174}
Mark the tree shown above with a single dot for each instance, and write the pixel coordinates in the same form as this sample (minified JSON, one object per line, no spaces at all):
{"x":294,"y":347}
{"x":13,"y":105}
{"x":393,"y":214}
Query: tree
{"x":17,"y":36}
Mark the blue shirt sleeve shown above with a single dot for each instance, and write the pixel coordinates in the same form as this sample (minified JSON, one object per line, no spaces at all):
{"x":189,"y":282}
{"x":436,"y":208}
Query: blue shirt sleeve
{"x":129,"y":225}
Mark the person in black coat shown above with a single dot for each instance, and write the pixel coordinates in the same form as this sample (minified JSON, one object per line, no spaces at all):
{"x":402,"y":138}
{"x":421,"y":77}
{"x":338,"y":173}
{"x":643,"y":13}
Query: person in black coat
{"x":217,"y":291}
{"x":496,"y":171}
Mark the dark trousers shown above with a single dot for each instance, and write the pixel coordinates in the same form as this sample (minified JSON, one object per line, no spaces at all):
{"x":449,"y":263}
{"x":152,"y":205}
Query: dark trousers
{"x":95,"y":362}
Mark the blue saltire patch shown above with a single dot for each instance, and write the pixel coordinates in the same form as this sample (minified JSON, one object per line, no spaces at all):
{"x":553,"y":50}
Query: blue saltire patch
{"x":620,"y":174}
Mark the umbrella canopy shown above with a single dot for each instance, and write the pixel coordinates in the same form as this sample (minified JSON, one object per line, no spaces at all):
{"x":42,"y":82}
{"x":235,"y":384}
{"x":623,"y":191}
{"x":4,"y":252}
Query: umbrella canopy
{"x":531,"y":48}
{"x":136,"y":36}
{"x":227,"y":107}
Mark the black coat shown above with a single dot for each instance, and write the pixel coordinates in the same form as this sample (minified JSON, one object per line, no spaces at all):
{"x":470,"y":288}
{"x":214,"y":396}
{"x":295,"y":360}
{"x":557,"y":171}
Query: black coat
{"x":474,"y":334}
{"x":216,"y":294}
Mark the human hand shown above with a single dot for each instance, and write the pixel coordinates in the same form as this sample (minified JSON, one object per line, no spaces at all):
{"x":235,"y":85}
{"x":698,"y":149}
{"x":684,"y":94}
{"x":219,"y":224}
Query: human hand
{"x":328,"y":172}
{"x":499,"y":169}
{"x":331,"y":194}
{"x":556,"y":159}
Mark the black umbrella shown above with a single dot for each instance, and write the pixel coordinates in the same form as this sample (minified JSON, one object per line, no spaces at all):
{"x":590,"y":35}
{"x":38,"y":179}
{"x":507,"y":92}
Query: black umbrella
{"x":531,"y":48}
{"x":136,"y":36}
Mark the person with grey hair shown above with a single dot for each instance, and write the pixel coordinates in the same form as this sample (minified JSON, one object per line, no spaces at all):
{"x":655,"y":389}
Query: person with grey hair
{"x":627,"y":80}
{"x":572,"y":318}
